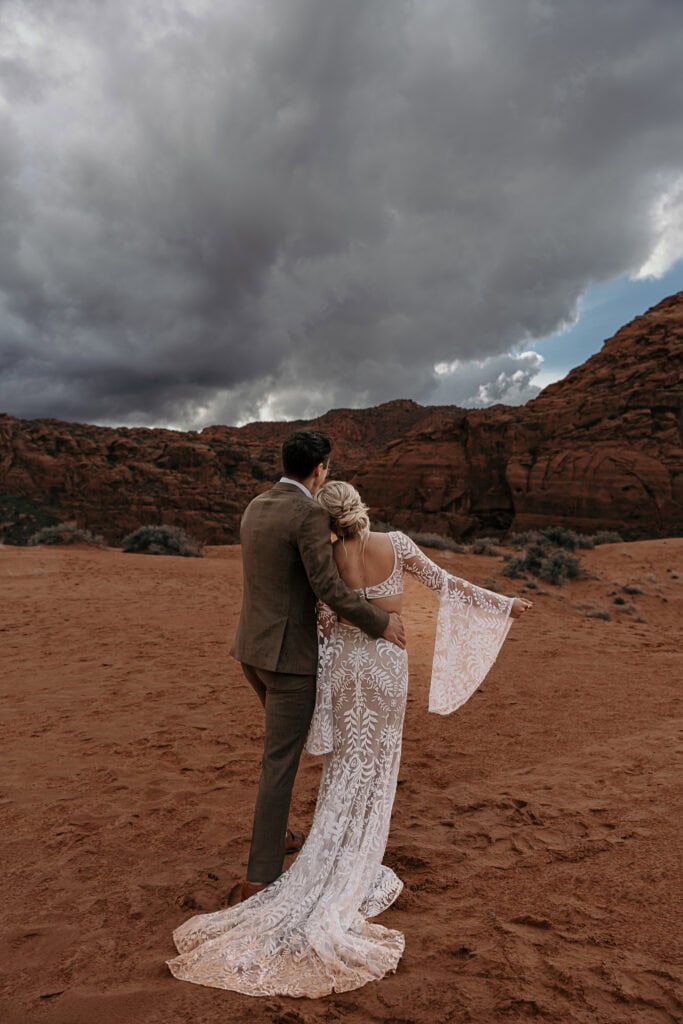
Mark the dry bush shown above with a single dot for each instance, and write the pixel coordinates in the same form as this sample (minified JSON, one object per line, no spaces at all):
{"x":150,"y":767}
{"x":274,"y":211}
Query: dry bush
{"x":607,"y":537}
{"x":554,"y":566}
{"x":162,"y":540}
{"x":65,"y":533}
{"x":562,"y":537}
{"x":485,"y":546}
{"x":437,"y":541}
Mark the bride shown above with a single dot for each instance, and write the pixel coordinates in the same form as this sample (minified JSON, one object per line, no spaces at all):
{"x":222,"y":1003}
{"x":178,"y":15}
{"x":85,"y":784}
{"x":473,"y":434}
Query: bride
{"x":310,"y":932}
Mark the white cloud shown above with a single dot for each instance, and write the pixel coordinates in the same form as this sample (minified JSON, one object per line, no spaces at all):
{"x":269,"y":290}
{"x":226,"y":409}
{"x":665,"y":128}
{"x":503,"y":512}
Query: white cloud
{"x":507,"y":378}
{"x":667,"y":217}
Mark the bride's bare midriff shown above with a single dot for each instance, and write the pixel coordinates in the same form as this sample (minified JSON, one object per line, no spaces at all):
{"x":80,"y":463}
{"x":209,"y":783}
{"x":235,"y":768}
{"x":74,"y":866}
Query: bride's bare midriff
{"x":374,"y":566}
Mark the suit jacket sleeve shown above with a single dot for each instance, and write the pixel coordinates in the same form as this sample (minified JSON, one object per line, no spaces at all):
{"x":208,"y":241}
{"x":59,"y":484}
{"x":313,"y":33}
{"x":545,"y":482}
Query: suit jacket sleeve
{"x":323,"y":575}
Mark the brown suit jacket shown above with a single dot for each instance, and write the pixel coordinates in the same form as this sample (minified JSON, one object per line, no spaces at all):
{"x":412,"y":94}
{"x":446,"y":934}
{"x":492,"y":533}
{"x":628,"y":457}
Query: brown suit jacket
{"x":288,"y":562}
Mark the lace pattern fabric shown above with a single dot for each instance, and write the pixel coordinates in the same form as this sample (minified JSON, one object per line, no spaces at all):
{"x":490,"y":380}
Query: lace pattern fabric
{"x":310,"y":932}
{"x":393,"y":584}
{"x":471,"y":627}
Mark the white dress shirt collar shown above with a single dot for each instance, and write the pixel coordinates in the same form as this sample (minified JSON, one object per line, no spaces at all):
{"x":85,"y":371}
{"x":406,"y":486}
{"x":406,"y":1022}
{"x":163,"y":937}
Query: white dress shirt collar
{"x":297,"y":483}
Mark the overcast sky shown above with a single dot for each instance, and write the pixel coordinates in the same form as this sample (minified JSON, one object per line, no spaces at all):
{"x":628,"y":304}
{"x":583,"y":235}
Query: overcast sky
{"x":215,"y":212}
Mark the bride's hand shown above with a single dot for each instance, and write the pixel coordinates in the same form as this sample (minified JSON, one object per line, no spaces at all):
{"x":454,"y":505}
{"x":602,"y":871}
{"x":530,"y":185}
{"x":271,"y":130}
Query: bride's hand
{"x":519,"y":606}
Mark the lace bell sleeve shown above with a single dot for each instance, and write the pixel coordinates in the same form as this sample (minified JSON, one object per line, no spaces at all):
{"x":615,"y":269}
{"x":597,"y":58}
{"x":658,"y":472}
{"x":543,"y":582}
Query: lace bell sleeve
{"x":321,"y":730}
{"x":471,"y":627}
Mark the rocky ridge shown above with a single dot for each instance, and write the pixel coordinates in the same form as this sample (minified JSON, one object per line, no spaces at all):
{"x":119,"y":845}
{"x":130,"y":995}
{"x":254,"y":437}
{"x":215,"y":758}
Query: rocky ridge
{"x":601,"y":449}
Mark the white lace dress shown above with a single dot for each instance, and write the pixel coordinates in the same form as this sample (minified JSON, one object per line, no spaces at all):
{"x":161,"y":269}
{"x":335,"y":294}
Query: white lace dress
{"x":310,"y":933}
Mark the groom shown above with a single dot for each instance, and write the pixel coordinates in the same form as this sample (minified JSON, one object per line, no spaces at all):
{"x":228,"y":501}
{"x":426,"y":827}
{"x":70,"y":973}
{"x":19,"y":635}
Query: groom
{"x":288,"y":563}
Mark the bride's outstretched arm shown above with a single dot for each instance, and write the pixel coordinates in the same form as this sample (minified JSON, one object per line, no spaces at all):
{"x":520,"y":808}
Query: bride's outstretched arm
{"x":433,"y":576}
{"x":471,"y":627}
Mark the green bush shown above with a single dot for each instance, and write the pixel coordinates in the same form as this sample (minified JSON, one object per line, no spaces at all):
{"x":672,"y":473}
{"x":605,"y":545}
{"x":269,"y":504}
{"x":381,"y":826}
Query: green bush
{"x":161,"y":540}
{"x":65,"y":533}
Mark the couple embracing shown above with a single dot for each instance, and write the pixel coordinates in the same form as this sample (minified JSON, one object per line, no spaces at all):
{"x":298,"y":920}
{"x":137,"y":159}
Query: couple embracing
{"x":321,"y":641}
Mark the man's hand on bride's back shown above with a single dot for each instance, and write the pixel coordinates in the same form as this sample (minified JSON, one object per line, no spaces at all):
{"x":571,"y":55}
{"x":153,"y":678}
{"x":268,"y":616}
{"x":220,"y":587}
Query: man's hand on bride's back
{"x":395,"y":632}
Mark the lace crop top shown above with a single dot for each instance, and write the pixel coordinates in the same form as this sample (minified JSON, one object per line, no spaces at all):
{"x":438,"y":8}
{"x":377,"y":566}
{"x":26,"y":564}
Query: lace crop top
{"x":393,"y":584}
{"x":471,"y":626}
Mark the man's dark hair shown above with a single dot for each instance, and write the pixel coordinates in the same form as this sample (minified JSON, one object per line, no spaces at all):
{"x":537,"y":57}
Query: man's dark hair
{"x":302,"y":451}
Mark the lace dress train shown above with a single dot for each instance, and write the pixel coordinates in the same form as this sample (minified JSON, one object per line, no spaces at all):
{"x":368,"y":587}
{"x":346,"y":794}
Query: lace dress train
{"x":310,"y":932}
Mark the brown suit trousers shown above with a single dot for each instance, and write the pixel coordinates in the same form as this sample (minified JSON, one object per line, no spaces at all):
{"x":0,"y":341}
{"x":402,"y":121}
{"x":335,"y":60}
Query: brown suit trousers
{"x":288,"y":563}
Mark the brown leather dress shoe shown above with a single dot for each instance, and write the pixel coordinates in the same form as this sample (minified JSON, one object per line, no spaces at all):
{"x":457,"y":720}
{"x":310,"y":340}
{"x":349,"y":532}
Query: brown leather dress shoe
{"x":241,"y":891}
{"x":248,"y":889}
{"x":293,"y":842}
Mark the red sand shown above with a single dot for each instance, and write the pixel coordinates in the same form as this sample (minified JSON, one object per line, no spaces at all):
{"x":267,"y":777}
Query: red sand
{"x":537,"y":830}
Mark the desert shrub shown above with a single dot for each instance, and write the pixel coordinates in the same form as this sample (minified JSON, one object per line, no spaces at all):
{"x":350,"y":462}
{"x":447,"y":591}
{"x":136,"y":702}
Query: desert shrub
{"x":561,"y":537}
{"x":607,"y":537}
{"x":620,"y":600}
{"x":531,"y":585}
{"x":491,"y":584}
{"x":531,"y":561}
{"x":559,"y":567}
{"x":438,"y":541}
{"x":514,"y":568}
{"x":161,"y":540}
{"x":631,"y":588}
{"x":485,"y":546}
{"x":554,"y":566}
{"x":520,"y":540}
{"x":65,"y":533}
{"x":599,"y":613}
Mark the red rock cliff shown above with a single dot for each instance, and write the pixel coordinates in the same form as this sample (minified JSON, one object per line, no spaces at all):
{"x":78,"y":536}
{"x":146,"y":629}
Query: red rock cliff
{"x":599,"y":449}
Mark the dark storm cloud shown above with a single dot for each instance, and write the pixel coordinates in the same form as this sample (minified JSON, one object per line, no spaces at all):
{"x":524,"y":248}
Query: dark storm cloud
{"x":214,"y":212}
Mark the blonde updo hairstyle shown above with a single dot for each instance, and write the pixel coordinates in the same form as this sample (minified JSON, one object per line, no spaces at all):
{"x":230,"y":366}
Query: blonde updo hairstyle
{"x":348,"y":513}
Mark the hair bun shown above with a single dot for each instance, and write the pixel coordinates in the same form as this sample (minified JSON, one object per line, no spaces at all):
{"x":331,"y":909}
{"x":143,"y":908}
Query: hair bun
{"x":347,"y":511}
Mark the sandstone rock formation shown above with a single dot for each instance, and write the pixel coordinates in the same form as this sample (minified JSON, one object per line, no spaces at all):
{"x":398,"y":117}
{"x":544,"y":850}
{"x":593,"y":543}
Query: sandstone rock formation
{"x":600,"y":449}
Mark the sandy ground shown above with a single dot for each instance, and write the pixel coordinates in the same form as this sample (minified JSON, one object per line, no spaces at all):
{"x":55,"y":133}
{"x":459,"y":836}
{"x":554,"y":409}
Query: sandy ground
{"x":537,"y":830}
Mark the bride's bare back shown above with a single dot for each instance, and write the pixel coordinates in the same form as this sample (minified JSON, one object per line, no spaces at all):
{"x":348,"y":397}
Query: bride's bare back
{"x":368,"y":567}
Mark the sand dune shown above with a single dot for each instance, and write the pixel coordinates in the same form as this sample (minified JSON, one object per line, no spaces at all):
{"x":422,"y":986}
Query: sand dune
{"x":537,"y":830}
